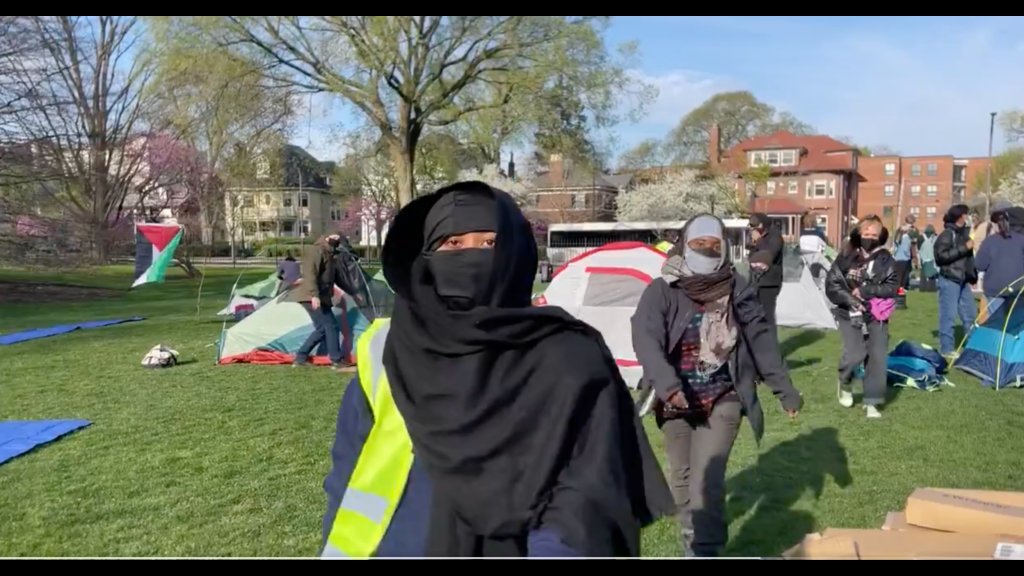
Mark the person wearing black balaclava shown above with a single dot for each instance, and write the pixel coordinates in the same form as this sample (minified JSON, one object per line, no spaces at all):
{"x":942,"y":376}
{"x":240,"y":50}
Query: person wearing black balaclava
{"x":766,"y":262}
{"x":702,"y":338}
{"x":954,"y":253}
{"x":315,"y":293}
{"x":517,"y":413}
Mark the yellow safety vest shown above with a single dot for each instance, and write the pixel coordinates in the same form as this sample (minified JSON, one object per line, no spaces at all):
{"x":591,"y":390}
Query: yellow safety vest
{"x":382,"y":470}
{"x":663,"y":246}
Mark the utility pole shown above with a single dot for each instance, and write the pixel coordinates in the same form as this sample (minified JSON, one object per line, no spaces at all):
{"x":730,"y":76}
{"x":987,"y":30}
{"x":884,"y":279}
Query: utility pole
{"x":988,"y":170}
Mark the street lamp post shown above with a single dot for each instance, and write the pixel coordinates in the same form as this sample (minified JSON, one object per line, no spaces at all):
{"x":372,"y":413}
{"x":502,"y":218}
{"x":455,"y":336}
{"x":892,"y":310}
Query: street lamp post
{"x":988,"y":170}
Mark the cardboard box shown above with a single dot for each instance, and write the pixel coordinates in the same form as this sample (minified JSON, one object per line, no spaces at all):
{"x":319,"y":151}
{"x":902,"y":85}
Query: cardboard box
{"x":999,"y":497}
{"x":835,"y":544}
{"x":897,"y":521}
{"x":965,"y":512}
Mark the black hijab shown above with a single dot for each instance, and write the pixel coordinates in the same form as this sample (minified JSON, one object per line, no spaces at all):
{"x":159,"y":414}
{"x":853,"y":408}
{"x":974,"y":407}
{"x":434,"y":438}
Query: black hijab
{"x":518,"y":413}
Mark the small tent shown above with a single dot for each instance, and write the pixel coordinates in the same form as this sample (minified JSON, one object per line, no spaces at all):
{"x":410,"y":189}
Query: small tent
{"x":994,"y":350}
{"x":802,"y":302}
{"x":249,"y":298}
{"x":273,"y":334}
{"x":602,"y":287}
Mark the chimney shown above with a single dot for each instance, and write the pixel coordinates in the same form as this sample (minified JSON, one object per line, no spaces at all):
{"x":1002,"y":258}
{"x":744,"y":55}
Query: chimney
{"x":512,"y":166}
{"x":556,"y":170}
{"x":714,"y":146}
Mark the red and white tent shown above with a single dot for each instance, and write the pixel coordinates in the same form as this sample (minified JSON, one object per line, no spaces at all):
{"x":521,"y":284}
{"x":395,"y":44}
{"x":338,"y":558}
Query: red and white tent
{"x":602,"y":287}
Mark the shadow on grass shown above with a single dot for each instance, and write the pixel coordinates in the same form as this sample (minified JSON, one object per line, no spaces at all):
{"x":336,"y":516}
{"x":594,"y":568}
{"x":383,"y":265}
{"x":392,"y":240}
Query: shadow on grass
{"x":775,"y":484}
{"x":800,"y":340}
{"x":797,"y":364}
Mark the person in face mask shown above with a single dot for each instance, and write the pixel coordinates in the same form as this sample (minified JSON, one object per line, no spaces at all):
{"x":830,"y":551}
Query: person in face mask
{"x":315,"y":293}
{"x":517,"y":415}
{"x":954,"y":253}
{"x":703,"y":339}
{"x":863,"y":283}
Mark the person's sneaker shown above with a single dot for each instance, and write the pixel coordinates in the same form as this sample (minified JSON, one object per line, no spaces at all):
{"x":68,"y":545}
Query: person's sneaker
{"x":872,"y":412}
{"x":845,"y":397}
{"x":686,"y":536}
{"x":298,"y":363}
{"x":341,"y":365}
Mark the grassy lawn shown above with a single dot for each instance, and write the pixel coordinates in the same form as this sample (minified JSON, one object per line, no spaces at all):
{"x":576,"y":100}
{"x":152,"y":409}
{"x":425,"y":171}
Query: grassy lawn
{"x":228,"y":461}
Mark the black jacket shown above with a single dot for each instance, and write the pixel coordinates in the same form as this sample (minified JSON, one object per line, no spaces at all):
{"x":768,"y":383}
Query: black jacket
{"x":879,"y":281}
{"x":662,"y":316}
{"x":954,"y":258}
{"x":768,"y":249}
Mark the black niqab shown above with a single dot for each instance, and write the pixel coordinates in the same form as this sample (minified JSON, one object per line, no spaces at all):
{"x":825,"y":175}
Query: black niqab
{"x":518,"y":413}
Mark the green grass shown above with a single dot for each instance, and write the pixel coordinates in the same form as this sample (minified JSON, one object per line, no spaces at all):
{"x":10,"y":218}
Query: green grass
{"x":202,"y":460}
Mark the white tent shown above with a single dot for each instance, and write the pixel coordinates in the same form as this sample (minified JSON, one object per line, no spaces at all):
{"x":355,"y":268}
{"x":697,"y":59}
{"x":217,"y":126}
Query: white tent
{"x":602,"y":287}
{"x":802,"y":302}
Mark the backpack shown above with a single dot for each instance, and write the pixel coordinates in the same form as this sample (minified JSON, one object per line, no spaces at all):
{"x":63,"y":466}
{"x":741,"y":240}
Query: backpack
{"x":915,"y":365}
{"x":160,"y":356}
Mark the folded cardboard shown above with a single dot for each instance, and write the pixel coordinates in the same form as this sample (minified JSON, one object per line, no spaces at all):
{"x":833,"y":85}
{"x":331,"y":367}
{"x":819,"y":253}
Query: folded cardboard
{"x":833,"y":544}
{"x":966,"y":512}
{"x":897,"y":521}
{"x":997,"y":496}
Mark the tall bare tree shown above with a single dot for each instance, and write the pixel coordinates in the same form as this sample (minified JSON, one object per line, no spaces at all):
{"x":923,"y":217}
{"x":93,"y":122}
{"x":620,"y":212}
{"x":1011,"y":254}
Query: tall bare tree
{"x":82,"y":113}
{"x":217,"y":101}
{"x":407,"y":74}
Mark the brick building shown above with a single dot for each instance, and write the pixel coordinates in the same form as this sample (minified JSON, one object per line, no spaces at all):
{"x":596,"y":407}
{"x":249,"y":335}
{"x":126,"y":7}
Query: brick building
{"x":804,"y":173}
{"x":925,"y":186}
{"x":568,"y":193}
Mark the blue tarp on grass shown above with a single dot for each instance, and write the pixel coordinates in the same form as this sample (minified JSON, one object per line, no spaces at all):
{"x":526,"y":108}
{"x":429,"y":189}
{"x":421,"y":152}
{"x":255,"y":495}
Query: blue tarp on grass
{"x":20,"y":436}
{"x":36,"y":333}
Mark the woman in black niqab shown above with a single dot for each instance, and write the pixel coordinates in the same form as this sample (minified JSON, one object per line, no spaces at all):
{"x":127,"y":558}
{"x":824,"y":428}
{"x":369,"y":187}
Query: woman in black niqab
{"x":518,"y":413}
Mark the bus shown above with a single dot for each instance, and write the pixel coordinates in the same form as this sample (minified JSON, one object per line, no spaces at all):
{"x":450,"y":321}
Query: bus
{"x":567,"y":241}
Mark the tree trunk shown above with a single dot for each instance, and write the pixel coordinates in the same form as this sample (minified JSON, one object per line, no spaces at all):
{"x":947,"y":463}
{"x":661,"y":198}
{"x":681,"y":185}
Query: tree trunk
{"x":403,"y":159}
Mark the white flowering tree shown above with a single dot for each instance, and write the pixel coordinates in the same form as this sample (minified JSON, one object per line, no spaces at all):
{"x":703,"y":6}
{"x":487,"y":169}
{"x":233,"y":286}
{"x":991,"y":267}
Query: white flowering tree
{"x":1012,"y":189}
{"x":678,"y":196}
{"x":493,"y":177}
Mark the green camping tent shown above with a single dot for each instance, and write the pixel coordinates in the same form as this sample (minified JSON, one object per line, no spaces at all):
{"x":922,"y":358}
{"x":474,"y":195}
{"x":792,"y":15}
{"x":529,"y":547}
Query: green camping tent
{"x":247,"y":299}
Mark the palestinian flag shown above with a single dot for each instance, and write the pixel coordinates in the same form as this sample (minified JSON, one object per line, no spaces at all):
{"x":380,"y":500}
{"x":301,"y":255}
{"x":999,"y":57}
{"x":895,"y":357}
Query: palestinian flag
{"x":154,"y":249}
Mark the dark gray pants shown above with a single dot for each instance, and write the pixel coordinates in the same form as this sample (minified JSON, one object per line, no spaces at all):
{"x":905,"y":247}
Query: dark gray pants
{"x":872,"y":351}
{"x":697,"y":456}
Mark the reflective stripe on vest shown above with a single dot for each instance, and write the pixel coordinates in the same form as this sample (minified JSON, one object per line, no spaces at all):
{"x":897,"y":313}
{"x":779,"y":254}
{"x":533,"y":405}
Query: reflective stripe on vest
{"x":382,"y":470}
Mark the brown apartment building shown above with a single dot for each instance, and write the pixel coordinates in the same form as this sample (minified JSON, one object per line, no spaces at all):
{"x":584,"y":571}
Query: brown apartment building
{"x":925,"y":186}
{"x":807,"y":173}
{"x":567,"y":193}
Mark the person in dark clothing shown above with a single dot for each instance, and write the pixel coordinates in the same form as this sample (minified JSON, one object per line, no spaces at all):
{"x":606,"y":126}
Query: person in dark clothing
{"x":406,"y":534}
{"x":1001,"y":258}
{"x":954,"y":253}
{"x":518,"y":414}
{"x":863,"y":283}
{"x":766,"y":262}
{"x":702,"y":338}
{"x":315,"y":293}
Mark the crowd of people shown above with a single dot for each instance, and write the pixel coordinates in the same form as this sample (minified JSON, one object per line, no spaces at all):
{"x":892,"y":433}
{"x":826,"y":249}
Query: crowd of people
{"x":481,"y":425}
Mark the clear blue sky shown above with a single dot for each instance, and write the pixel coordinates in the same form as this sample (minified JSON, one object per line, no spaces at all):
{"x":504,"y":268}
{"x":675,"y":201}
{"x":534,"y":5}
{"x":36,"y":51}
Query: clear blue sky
{"x":921,"y":85}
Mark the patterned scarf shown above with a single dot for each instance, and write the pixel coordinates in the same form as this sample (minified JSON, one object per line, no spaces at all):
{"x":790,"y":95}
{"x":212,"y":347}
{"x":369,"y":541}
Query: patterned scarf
{"x":718,"y":329}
